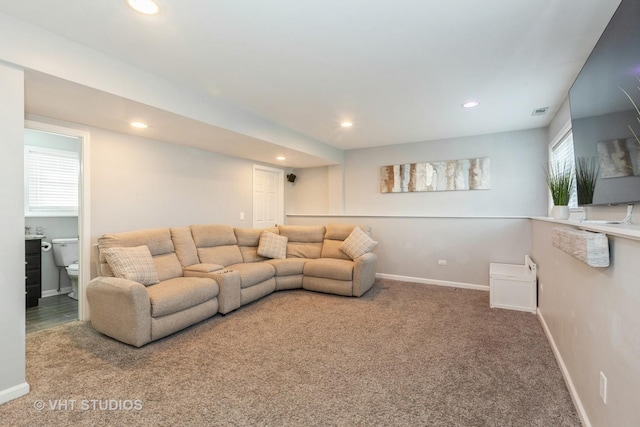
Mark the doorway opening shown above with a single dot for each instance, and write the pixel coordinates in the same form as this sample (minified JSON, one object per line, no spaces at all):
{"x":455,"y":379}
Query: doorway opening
{"x":58,"y":221}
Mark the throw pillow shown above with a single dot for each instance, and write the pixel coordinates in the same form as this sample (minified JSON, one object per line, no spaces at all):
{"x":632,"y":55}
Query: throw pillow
{"x":357,"y":244}
{"x":132,"y":263}
{"x":272,"y":245}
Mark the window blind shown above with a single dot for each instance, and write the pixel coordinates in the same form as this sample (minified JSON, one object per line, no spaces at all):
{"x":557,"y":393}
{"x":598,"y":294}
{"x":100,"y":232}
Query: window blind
{"x":52,"y":180}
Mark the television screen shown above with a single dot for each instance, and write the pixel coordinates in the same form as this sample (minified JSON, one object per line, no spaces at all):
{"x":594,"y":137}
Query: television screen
{"x":604,"y":103}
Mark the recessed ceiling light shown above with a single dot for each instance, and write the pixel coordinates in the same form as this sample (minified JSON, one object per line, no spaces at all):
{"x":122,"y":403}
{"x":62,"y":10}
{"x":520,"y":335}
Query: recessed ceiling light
{"x":470,"y":104}
{"x":281,"y":158}
{"x":148,"y":7}
{"x":346,"y":124}
{"x":139,"y":125}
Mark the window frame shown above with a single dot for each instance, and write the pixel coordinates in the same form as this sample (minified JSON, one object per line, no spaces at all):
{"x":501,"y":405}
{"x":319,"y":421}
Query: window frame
{"x":565,"y":133}
{"x":61,"y":211}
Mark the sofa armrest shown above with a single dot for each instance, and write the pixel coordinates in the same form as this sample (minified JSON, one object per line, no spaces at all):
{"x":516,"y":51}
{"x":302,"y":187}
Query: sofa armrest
{"x":229,"y":282}
{"x":204,"y":268}
{"x":121,"y":309}
{"x":364,"y":273}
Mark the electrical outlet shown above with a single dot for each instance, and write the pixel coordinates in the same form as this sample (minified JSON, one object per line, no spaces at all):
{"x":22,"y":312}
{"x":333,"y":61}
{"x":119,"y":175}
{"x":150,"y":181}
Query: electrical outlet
{"x":241,"y":216}
{"x":442,"y":262}
{"x":603,"y":387}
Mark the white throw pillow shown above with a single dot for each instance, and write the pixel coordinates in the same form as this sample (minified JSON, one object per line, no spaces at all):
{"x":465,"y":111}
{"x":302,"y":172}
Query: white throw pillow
{"x":132,"y":263}
{"x":272,"y":245}
{"x":357,"y":244}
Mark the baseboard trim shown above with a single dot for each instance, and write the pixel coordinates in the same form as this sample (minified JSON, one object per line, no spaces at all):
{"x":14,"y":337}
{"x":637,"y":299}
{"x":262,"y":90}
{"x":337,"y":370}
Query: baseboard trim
{"x":53,"y":293}
{"x":13,"y":392}
{"x":565,"y":373}
{"x":433,"y":282}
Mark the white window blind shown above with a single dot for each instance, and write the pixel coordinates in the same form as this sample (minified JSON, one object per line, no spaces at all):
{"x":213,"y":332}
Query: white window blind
{"x":51,"y":182}
{"x":562,"y":154}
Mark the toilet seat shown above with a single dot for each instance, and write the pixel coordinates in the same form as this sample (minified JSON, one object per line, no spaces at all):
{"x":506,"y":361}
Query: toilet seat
{"x":72,"y":272}
{"x":73,"y":269}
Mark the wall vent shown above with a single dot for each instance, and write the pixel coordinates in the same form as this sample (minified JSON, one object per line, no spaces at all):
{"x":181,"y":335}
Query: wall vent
{"x":540,"y":111}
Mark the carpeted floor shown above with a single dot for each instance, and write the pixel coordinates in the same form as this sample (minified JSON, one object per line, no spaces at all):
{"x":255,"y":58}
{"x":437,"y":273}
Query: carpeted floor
{"x":402,"y":355}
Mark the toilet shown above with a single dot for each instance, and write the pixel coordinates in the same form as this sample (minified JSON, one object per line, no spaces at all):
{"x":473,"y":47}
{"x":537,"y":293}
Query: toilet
{"x":65,"y":255}
{"x":72,"y":272}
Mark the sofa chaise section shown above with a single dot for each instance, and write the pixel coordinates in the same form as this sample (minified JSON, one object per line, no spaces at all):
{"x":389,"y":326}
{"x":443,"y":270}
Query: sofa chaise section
{"x":334,"y":271}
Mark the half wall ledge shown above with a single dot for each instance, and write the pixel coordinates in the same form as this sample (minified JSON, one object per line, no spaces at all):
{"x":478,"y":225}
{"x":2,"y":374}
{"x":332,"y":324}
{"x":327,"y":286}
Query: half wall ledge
{"x":627,"y":231}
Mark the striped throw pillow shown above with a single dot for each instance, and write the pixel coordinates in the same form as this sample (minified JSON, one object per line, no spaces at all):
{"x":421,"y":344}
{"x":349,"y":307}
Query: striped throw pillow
{"x":132,"y":263}
{"x":272,"y":245}
{"x":357,"y":244}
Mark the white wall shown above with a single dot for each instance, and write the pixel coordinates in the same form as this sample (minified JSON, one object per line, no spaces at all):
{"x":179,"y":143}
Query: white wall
{"x":141,"y":183}
{"x":310,"y":192}
{"x":12,"y":299}
{"x":593,"y":316}
{"x":517,"y":177}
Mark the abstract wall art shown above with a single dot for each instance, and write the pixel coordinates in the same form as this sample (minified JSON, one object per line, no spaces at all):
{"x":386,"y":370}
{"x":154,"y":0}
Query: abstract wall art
{"x":618,"y":158}
{"x":446,"y":175}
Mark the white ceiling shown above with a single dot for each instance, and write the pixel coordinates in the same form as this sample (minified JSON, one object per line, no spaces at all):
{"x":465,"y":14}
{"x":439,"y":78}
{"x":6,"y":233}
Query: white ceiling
{"x":398,"y":70}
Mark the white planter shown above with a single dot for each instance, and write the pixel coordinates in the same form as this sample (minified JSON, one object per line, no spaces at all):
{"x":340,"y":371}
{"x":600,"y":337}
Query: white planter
{"x":560,"y":212}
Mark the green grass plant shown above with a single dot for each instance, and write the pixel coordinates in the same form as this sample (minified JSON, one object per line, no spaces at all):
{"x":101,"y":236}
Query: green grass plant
{"x":586,"y":176}
{"x":560,"y":180}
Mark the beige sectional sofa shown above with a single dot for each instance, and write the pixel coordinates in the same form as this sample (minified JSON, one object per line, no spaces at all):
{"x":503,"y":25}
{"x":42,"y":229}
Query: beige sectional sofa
{"x":155,"y":282}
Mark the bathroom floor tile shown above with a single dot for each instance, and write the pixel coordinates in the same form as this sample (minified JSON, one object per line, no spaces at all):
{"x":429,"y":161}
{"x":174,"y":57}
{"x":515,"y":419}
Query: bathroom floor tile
{"x":50,"y":312}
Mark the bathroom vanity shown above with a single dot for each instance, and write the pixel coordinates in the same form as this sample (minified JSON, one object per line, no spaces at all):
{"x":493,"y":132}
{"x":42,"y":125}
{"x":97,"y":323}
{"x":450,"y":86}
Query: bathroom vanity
{"x":33,"y":275}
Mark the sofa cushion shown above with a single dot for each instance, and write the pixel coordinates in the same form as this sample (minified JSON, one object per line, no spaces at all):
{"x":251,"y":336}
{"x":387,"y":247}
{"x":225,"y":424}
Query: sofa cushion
{"x":213,"y":235}
{"x":132,"y":263}
{"x":251,"y":236}
{"x":303,"y":233}
{"x":329,"y":268}
{"x":174,"y":295}
{"x":184,"y":245}
{"x":272,"y":245}
{"x":250,"y":254}
{"x":304,"y":250}
{"x":223,"y":255}
{"x":357,"y":244}
{"x":289,"y":266}
{"x":305,"y":241}
{"x":253,"y":273}
{"x":248,"y":241}
{"x":338,"y":231}
{"x":331,"y":249}
{"x":204,"y":268}
{"x":158,"y":240}
{"x":168,"y":266}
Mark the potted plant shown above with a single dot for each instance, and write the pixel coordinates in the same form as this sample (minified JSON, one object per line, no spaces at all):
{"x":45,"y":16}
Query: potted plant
{"x":586,"y":176}
{"x":560,"y":180}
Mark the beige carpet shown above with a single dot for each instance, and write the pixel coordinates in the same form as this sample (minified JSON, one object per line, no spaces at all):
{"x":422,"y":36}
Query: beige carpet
{"x":402,"y":355}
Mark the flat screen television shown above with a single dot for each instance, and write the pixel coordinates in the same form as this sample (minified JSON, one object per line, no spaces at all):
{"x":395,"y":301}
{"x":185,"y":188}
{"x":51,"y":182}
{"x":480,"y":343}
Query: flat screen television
{"x":603,"y":116}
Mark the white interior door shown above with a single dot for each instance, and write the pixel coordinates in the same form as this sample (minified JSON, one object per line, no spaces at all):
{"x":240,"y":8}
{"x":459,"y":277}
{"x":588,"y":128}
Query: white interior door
{"x":268,"y":187}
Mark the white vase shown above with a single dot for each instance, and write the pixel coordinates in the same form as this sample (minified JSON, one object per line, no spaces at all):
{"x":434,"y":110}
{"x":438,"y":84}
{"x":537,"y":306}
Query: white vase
{"x":560,"y":212}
